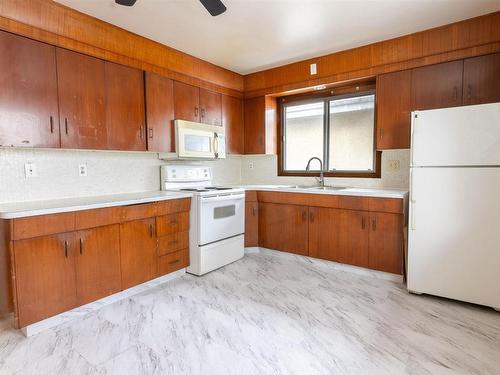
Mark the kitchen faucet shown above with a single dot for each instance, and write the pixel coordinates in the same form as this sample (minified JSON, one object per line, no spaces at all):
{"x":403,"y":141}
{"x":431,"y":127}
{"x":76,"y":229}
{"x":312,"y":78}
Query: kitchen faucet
{"x":321,"y":176}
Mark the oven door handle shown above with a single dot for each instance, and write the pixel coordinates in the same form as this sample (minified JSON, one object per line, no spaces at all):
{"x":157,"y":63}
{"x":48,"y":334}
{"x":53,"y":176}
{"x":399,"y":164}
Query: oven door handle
{"x":219,"y":198}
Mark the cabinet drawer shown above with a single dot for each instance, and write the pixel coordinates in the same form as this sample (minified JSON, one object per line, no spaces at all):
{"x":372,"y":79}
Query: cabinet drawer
{"x":172,"y":223}
{"x":173,"y":262}
{"x":392,"y":205}
{"x":173,"y":242}
{"x":353,"y":202}
{"x":139,"y":211}
{"x":175,"y":205}
{"x":251,"y":196}
{"x":34,"y":226}
{"x":98,"y":217}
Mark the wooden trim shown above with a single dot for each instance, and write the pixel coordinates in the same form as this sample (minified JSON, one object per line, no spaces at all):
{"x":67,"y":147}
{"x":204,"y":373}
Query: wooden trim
{"x":471,"y":37}
{"x":56,"y":24}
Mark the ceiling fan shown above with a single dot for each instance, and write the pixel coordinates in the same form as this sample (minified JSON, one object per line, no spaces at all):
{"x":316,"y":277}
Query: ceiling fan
{"x":214,"y":7}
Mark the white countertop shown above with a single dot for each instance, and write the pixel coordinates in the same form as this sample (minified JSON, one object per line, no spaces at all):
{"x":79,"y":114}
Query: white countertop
{"x":365,"y":192}
{"x":43,"y":207}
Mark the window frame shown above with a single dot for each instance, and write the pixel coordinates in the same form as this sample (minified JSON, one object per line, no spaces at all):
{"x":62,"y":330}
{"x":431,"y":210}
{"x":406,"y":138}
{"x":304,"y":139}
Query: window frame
{"x":326,"y":98}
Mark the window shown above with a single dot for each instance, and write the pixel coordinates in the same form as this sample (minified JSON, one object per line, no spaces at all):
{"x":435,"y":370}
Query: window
{"x":337,"y":129}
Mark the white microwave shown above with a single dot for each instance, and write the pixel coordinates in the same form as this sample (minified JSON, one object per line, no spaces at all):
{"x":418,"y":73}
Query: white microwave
{"x":202,"y":141}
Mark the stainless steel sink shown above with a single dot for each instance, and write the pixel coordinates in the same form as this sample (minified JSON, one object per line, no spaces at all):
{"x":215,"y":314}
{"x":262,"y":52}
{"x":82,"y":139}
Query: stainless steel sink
{"x":328,"y":188}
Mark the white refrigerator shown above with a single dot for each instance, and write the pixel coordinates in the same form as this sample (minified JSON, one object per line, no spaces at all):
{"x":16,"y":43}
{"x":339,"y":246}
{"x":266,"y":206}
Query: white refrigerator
{"x":454,"y":214}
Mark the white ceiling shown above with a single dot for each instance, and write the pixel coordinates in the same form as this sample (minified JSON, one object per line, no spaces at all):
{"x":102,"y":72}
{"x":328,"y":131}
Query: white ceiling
{"x":253,"y":35}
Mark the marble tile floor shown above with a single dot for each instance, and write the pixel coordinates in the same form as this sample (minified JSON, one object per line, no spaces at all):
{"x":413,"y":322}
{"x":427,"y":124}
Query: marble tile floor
{"x":269,"y":313}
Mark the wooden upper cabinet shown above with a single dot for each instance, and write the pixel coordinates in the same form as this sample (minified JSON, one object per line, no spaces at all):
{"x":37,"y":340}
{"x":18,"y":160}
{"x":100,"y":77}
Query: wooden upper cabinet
{"x":232,"y":120}
{"x":160,"y":113}
{"x":138,"y":251}
{"x":97,"y":262}
{"x":283,"y":227}
{"x":125,"y":121}
{"x":437,"y":86}
{"x":45,"y":277}
{"x":482,"y":79}
{"x":82,"y":100}
{"x":386,"y":242}
{"x":393,"y":110}
{"x":28,"y":93}
{"x":260,"y":125}
{"x":186,"y":102}
{"x":210,"y":107}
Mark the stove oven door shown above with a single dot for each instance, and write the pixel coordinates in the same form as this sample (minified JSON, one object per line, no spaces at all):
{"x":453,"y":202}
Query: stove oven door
{"x":221,"y":217}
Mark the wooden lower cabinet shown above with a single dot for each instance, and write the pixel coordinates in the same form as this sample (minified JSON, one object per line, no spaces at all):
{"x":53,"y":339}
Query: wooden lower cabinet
{"x":283,"y":227}
{"x":339,"y":235}
{"x":251,"y":224}
{"x":386,"y":242}
{"x":138,"y":251}
{"x":97,"y":262}
{"x":45,"y":279}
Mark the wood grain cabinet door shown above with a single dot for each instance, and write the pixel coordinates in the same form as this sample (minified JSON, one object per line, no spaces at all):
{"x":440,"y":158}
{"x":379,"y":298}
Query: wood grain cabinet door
{"x":232,"y":120}
{"x":437,"y":86}
{"x":352,"y":237}
{"x":284,"y":227}
{"x":160,"y":113}
{"x":323,"y":233}
{"x":393,"y":110}
{"x":210,"y":107}
{"x":28,"y":93}
{"x":138,"y":251}
{"x":482,"y":79}
{"x":97,"y":262}
{"x":251,"y":224}
{"x":386,"y":242}
{"x":45,"y":276}
{"x":186,"y":102}
{"x":125,"y":118}
{"x":255,"y":126}
{"x":82,"y":100}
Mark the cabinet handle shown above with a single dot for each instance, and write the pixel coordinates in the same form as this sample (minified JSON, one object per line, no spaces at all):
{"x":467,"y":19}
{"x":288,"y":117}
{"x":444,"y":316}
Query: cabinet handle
{"x":141,"y":133}
{"x":202,"y":112}
{"x":381,"y":133}
{"x":174,"y":261}
{"x":363,"y":223}
{"x":374,"y":224}
{"x":455,"y":93}
{"x":66,"y":249}
{"x":151,"y":230}
{"x":311,"y":217}
{"x":51,"y":124}
{"x":81,"y":246}
{"x":172,"y":242}
{"x":151,"y":133}
{"x":66,"y":125}
{"x":195,"y":111}
{"x":254,"y":211}
{"x":469,"y":91}
{"x":304,"y":216}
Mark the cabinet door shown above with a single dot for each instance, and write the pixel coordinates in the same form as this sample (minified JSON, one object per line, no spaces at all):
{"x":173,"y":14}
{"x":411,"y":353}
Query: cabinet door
{"x":251,"y":224}
{"x":160,"y":113}
{"x":28,"y":93}
{"x":353,"y":237}
{"x":393,"y":110}
{"x":283,"y":227}
{"x":45,"y":277}
{"x":186,"y":102}
{"x":210,"y":107}
{"x":386,"y":242}
{"x":82,"y":107}
{"x":482,"y":79}
{"x":137,"y":251}
{"x":437,"y":86}
{"x":323,"y":233}
{"x":97,"y":263}
{"x":254,"y":123}
{"x":232,"y":120}
{"x":125,"y":121}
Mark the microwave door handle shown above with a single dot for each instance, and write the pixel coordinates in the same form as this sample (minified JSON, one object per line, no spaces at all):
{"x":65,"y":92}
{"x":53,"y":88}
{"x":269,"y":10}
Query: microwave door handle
{"x":216,"y":145}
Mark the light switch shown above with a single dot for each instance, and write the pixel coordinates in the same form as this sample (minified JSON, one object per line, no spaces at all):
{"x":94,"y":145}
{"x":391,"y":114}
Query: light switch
{"x":313,"y":69}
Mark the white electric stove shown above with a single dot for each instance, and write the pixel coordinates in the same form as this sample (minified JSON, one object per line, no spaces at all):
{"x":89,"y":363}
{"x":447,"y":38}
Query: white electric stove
{"x":217,"y":217}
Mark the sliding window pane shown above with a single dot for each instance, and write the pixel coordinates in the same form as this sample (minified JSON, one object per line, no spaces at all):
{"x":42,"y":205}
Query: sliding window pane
{"x":303,"y":135}
{"x":351,"y":133}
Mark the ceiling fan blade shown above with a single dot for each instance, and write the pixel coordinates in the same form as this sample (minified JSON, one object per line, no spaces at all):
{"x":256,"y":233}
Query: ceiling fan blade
{"x":127,"y":3}
{"x":214,"y":7}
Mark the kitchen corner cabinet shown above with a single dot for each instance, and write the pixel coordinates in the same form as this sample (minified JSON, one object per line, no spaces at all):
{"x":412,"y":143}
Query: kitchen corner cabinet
{"x":393,"y":110}
{"x":260,"y":125}
{"x":28,"y":95}
{"x":160,"y":113}
{"x":125,"y":121}
{"x":482,"y":79}
{"x":81,"y":84}
{"x":232,"y":121}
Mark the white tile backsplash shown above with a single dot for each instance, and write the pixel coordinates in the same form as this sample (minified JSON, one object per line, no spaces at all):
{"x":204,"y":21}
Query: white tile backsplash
{"x":111,"y":172}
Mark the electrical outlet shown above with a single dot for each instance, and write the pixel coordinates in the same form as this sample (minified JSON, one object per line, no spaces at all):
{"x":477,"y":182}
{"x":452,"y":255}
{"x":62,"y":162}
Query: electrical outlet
{"x":394,"y":165}
{"x":30,"y":170}
{"x":82,"y":170}
{"x":313,"y":69}
{"x":250,"y":165}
